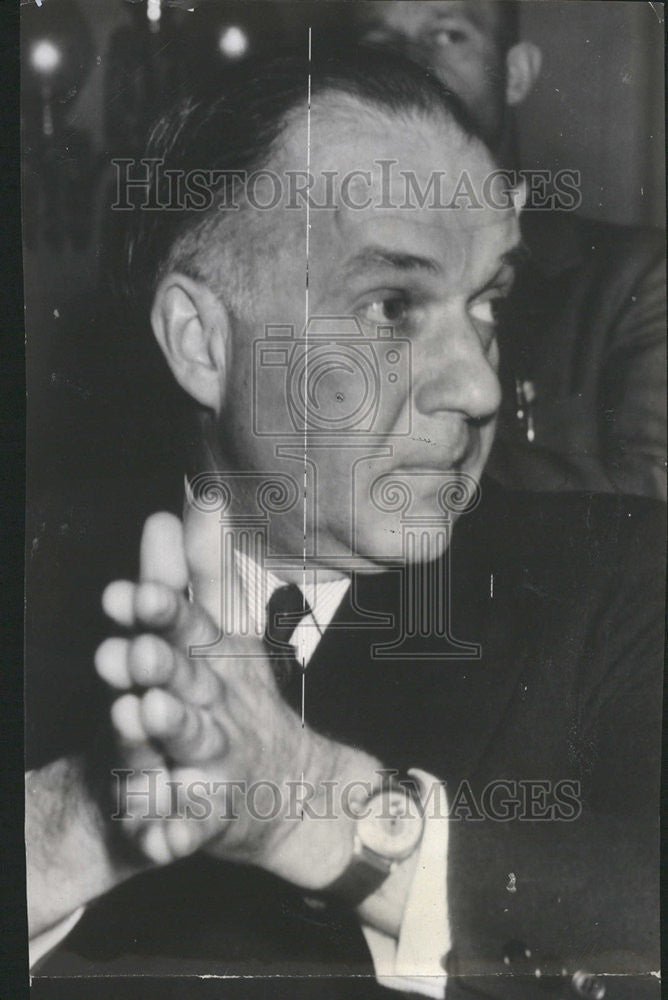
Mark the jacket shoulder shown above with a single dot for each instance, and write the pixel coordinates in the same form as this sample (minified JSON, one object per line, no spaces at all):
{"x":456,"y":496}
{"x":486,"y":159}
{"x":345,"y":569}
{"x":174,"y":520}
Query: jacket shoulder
{"x":641,"y":240}
{"x":585,"y":538}
{"x":559,"y":241}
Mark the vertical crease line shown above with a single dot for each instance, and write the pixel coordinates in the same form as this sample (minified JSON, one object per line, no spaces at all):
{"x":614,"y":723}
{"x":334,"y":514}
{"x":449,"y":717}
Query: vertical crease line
{"x":306,"y":318}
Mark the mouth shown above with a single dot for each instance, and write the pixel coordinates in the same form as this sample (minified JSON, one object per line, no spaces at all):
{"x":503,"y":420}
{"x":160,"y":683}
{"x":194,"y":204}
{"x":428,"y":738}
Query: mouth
{"x":462,"y":459}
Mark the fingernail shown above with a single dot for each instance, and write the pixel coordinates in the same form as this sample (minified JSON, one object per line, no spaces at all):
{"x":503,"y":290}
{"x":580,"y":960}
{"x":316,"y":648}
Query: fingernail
{"x":155,"y":846}
{"x":181,"y":839}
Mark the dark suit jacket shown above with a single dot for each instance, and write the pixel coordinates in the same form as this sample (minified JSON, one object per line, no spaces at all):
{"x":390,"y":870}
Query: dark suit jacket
{"x":568,"y":687}
{"x":586,"y":324}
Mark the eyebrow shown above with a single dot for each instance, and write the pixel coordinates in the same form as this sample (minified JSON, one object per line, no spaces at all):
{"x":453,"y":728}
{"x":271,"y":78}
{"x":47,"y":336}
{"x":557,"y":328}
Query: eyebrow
{"x":474,"y":13}
{"x":512,"y":259}
{"x":395,"y":35}
{"x":378,"y":257}
{"x":468,"y":16}
{"x":373,"y":256}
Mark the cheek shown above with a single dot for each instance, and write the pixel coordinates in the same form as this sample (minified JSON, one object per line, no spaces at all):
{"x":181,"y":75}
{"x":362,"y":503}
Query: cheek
{"x":479,"y":81}
{"x":472,"y":68}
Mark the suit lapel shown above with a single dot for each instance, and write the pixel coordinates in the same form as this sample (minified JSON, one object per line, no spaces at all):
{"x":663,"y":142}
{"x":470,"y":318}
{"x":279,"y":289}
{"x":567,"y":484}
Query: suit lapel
{"x":438,"y":714}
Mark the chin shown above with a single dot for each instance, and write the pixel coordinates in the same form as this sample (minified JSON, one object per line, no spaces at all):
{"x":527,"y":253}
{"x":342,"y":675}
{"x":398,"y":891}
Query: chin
{"x":388,"y":541}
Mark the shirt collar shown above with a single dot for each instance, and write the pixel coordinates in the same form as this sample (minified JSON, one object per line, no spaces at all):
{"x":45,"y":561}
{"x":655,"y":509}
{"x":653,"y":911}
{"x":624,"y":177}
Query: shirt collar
{"x":322,"y":596}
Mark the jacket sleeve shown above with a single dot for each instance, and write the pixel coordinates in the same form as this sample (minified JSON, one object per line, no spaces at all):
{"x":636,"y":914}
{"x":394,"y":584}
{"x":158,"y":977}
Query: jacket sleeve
{"x":585,"y":892}
{"x":594,"y":339}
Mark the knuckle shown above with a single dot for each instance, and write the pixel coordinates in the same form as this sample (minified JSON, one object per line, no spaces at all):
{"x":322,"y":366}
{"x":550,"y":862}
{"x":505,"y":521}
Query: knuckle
{"x":149,"y":659}
{"x":161,"y":714}
{"x":154,"y":603}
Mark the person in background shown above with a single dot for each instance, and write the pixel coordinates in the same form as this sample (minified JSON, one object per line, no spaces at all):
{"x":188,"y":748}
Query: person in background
{"x":582,"y":335}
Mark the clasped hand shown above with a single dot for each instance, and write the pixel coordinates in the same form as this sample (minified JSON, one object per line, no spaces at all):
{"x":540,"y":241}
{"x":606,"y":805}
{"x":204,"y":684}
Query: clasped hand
{"x":215,"y":722}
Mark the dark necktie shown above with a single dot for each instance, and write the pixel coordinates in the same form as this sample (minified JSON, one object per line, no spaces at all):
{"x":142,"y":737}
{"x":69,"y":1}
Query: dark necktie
{"x":285,"y":609}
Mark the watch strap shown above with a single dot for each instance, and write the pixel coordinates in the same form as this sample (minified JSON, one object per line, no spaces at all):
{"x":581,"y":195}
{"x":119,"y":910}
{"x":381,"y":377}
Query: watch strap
{"x":366,"y":871}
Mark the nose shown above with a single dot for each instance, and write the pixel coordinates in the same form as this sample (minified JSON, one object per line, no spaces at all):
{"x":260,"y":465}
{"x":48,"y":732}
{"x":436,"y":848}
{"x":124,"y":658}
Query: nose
{"x":458,"y":374}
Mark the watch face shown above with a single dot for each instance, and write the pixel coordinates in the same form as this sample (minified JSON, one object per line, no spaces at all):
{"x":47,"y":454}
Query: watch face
{"x":391,"y":825}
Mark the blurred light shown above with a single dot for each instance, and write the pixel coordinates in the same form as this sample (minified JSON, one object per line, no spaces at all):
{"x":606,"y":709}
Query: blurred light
{"x":153,"y":11}
{"x":45,"y":57}
{"x":233,"y":42}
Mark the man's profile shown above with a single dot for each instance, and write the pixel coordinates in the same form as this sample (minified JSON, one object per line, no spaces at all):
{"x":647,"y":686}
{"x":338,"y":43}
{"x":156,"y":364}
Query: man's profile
{"x":582,"y":335}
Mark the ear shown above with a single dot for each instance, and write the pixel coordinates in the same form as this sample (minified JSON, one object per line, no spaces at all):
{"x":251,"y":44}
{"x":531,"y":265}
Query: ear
{"x":192,"y":328}
{"x":523,"y":63}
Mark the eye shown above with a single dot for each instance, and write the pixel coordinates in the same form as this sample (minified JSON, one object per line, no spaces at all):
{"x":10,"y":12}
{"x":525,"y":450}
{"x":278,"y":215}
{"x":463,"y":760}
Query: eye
{"x":484,"y":312}
{"x":450,"y":36}
{"x":392,"y":309}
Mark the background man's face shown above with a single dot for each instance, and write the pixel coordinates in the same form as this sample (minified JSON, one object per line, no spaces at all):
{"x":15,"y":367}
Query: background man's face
{"x":456,"y":40}
{"x":429,"y":274}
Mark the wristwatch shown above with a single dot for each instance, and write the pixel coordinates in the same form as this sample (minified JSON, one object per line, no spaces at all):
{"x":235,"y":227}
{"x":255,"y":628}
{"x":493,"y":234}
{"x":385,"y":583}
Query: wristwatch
{"x":388,"y":829}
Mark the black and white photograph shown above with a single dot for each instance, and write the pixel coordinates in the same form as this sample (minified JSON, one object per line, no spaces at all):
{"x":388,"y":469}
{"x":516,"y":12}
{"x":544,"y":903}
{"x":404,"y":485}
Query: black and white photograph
{"x":345,"y":498}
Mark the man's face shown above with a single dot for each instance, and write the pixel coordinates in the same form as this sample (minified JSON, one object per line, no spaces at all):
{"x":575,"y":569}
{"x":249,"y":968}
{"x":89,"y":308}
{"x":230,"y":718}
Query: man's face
{"x":418,"y":408}
{"x":457,"y":40}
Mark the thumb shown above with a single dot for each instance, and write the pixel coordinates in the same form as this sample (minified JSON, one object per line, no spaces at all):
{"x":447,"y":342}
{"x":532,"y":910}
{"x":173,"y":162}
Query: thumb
{"x":162,"y":557}
{"x":210,"y":553}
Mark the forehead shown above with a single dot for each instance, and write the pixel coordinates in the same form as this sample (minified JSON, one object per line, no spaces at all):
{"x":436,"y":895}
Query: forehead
{"x":411,"y":16}
{"x":352,"y":144}
{"x":348,"y":137}
{"x":395,"y":249}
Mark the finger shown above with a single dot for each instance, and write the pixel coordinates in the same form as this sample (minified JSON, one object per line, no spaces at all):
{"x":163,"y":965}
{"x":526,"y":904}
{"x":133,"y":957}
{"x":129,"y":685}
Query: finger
{"x":131,"y":736}
{"x":183,"y":837}
{"x":111,"y":663}
{"x":162,"y":554}
{"x":139,"y":757}
{"x":186,"y":733}
{"x":215,"y":581}
{"x":198,"y":814}
{"x":153,"y":605}
{"x":153,"y":841}
{"x":146,"y":795}
{"x":157,"y":606}
{"x":184,"y":623}
{"x":118,"y":602}
{"x":202,"y":807}
{"x":165,"y":842}
{"x":152,"y":662}
{"x":162,"y":559}
{"x":127,"y":721}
